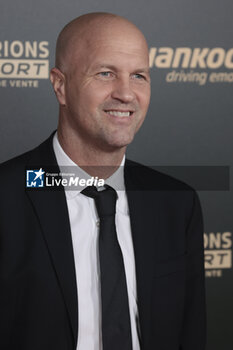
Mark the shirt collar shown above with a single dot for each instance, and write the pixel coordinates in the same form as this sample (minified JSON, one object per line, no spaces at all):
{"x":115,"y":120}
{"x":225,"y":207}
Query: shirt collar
{"x":116,"y":180}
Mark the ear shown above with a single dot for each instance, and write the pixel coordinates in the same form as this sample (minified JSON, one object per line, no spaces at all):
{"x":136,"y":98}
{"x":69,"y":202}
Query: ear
{"x":57,"y":79}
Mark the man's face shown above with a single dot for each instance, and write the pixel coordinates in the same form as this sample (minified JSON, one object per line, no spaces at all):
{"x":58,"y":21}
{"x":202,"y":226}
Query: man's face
{"x":107,"y":88}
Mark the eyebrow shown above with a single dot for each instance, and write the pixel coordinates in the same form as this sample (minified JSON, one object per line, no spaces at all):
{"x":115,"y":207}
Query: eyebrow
{"x":112,"y":67}
{"x":143,"y":70}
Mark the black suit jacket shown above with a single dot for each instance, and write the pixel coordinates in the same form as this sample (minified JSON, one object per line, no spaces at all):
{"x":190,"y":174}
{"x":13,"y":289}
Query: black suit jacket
{"x":38,"y":293}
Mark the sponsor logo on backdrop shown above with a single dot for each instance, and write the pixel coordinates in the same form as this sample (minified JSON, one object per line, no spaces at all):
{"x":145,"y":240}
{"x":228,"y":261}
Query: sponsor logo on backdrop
{"x":194,"y":65}
{"x":23,"y":63}
{"x":218,"y":253}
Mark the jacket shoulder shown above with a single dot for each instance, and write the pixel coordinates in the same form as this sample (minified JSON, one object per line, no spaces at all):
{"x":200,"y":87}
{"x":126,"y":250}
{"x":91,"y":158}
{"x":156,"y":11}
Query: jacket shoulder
{"x":40,"y":155}
{"x":151,"y":179}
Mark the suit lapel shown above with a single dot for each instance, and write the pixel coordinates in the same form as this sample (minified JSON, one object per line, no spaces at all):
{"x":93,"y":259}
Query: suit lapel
{"x":144,"y":226}
{"x":51,"y":209}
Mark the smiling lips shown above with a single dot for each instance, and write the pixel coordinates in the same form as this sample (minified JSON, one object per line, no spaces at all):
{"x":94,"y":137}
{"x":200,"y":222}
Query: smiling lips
{"x":115,"y":113}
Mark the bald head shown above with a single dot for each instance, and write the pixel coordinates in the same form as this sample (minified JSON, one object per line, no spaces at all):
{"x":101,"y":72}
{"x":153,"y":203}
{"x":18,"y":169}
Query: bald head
{"x":81,"y":32}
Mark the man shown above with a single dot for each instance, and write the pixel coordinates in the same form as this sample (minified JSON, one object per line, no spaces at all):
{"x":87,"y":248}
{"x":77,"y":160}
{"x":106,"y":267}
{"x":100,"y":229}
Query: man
{"x":53,"y":265}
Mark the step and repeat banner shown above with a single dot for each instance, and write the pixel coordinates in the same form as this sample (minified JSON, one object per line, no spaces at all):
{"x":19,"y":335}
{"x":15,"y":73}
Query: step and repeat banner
{"x":189,"y":123}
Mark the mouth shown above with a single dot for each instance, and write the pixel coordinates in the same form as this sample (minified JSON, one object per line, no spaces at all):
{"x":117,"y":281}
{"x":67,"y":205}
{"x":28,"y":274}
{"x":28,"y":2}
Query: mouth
{"x":119,"y":114}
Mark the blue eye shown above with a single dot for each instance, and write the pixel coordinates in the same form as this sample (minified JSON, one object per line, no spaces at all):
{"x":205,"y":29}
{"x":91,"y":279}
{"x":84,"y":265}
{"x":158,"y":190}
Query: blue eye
{"x":139,"y":76}
{"x":105,"y":74}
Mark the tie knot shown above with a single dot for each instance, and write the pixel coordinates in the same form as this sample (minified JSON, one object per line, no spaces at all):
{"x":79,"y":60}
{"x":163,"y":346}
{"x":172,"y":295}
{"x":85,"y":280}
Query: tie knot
{"x":105,"y":200}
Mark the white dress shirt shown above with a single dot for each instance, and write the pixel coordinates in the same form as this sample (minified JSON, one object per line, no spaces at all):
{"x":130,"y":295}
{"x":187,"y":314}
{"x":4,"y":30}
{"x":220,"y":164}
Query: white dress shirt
{"x":84,"y":223}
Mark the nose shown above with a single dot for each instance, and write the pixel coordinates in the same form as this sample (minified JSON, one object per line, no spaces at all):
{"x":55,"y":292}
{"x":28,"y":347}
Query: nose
{"x":122,"y":90}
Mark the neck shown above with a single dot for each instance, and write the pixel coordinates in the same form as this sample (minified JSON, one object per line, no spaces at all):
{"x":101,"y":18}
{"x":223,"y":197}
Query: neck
{"x":94,"y":161}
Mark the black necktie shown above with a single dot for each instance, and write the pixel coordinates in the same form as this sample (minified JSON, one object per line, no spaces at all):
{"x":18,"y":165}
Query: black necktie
{"x":116,"y":329}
